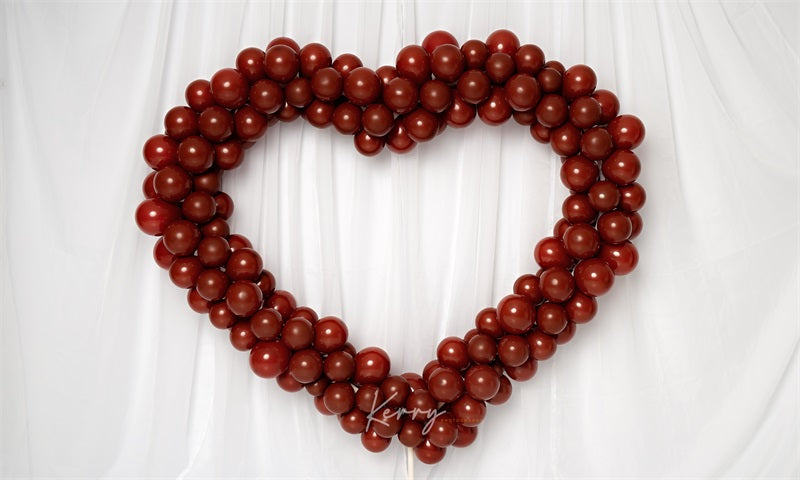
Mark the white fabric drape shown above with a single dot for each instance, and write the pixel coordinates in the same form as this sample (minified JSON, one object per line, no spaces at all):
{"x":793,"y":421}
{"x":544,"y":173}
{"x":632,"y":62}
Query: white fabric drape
{"x":690,"y":369}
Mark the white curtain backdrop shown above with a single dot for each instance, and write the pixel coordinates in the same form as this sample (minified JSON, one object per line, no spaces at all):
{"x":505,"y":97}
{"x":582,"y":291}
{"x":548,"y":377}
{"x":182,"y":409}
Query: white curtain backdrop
{"x":690,"y":369}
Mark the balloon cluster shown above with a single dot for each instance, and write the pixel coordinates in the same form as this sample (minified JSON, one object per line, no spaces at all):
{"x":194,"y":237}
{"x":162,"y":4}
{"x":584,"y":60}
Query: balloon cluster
{"x":432,"y":86}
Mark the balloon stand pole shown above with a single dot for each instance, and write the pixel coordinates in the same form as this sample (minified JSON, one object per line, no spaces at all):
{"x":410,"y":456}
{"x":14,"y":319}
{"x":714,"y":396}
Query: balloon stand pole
{"x":410,"y":463}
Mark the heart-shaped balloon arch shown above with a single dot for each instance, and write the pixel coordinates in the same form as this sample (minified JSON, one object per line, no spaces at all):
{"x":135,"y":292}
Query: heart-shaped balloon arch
{"x":432,"y":86}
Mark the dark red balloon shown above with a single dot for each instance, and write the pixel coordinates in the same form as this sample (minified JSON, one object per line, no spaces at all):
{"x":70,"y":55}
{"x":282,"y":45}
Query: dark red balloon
{"x":499,"y":67}
{"x":444,"y":431}
{"x":460,"y":113}
{"x":551,"y":318}
{"x":482,"y":348}
{"x":437,"y":38}
{"x":596,"y":144}
{"x":298,"y":333}
{"x":421,"y":125}
{"x":579,"y":80}
{"x":435,"y":96}
{"x":604,"y":196}
{"x":367,"y":144}
{"x":428,"y":453}
{"x":153,"y":216}
{"x":244,"y":298}
{"x":242,"y":337}
{"x":354,"y":421}
{"x":632,"y":199}
{"x":622,"y":167}
{"x":400,"y":95}
{"x":557,"y":284}
{"x":339,"y":397}
{"x":299,"y":93}
{"x":198,"y":95}
{"x":594,"y":277}
{"x":495,"y":110}
{"x":543,"y":346}
{"x":581,"y":308}
{"x":330,"y":334}
{"x":504,"y":393}
{"x":266,"y":324}
{"x":250,"y":62}
{"x":522,"y":92}
{"x":289,"y":42}
{"x":387,"y":73}
{"x":346,"y":63}
{"x":474,"y":86}
{"x":622,"y":258}
{"x":372,"y":366}
{"x":162,"y":256}
{"x":528,"y":286}
{"x":413,"y":62}
{"x":503,"y":41}
{"x":180,"y":122}
{"x":482,"y":382}
{"x":550,"y":80}
{"x":550,"y":252}
{"x":374,"y":442}
{"x":452,"y":352}
{"x":515,"y":314}
{"x":627,"y":131}
{"x":565,"y":140}
{"x":445,"y":384}
{"x":581,"y":241}
{"x":229,"y":88}
{"x":475,"y":53}
{"x":377,"y":120}
{"x":609,"y":105}
{"x":313,"y":57}
{"x":269,"y":359}
{"x":396,"y":391}
{"x":281,"y":63}
{"x":215,"y":123}
{"x":181,"y":237}
{"x":468,"y":411}
{"x":513,"y":350}
{"x":614,"y":227}
{"x":447,"y":63}
{"x":327,"y":84}
{"x":579,"y":173}
{"x":578,"y":209}
{"x":398,"y":140}
{"x":221,"y":316}
{"x":249,"y":124}
{"x":362,"y":86}
{"x":184,"y":271}
{"x":172,"y":183}
{"x":347,"y":118}
{"x":552,"y":110}
{"x":529,"y":59}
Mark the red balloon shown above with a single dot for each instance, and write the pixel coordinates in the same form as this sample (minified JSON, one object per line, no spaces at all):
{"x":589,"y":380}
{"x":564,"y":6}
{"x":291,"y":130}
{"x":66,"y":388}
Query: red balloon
{"x":627,"y":131}
{"x":594,"y":277}
{"x":503,"y":41}
{"x":446,"y":384}
{"x":515,"y":314}
{"x":269,"y":359}
{"x":437,"y":38}
{"x":153,"y":216}
{"x":372,"y":366}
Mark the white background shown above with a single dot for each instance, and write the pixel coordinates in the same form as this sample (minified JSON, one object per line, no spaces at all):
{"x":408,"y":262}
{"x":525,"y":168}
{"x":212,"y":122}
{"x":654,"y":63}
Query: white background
{"x":690,"y":369}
